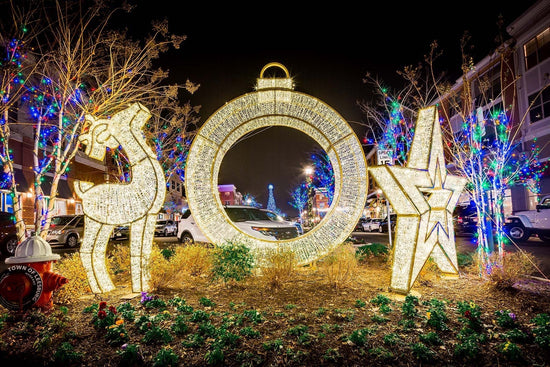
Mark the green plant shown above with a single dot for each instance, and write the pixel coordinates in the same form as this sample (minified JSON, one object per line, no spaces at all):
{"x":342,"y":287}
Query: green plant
{"x":320,"y":311}
{"x":422,"y":352}
{"x":130,"y":355}
{"x":157,"y":335}
{"x":199,"y":316}
{"x":511,"y":350}
{"x":249,"y":332}
{"x":180,"y":327}
{"x":470,"y":314}
{"x":359,"y":336}
{"x":66,"y":354}
{"x":254,"y":316}
{"x":232,"y":262}
{"x":126,"y":311}
{"x":298,"y":330}
{"x":541,"y":331}
{"x":431,"y":338}
{"x":516,"y":336}
{"x":275,"y":345}
{"x":193,"y":341}
{"x":105,"y":315}
{"x":166,"y":357}
{"x":344,"y":315}
{"x":436,"y":316}
{"x":152,"y":301}
{"x":360,"y":303}
{"x":373,"y":250}
{"x":506,"y":318}
{"x":408,"y":309}
{"x":332,"y":355}
{"x":206,"y":302}
{"x":214,"y":356}
{"x":116,"y":334}
{"x":167,"y":253}
{"x":469,"y":345}
{"x":379,"y":319}
{"x":384,"y":309}
{"x":380,"y":299}
{"x":391,"y":339}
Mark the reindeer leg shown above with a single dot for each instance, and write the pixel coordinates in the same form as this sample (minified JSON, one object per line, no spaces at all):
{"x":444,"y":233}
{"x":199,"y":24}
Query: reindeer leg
{"x":92,"y":254}
{"x":141,"y":241}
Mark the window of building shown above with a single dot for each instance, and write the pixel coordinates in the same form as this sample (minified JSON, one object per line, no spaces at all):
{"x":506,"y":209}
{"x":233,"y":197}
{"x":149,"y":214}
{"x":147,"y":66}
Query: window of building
{"x":537,"y":49}
{"x":540,"y":105}
{"x":487,"y":87}
{"x":6,"y":202}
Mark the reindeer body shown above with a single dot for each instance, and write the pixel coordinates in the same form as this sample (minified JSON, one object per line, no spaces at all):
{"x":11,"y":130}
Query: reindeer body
{"x":108,"y":205}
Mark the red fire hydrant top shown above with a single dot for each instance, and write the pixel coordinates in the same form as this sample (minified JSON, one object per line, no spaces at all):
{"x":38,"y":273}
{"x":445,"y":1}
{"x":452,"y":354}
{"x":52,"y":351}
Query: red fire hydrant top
{"x":23,"y":285}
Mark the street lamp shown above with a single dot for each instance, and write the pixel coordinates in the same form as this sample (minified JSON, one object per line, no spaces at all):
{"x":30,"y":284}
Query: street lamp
{"x":309,"y":207}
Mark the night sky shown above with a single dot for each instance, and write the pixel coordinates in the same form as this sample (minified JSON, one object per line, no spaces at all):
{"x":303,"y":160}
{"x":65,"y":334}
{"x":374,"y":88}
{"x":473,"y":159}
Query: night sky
{"x":327,"y":48}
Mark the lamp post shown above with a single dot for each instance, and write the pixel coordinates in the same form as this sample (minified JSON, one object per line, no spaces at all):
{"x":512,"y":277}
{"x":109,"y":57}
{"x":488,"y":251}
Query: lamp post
{"x":309,"y":206}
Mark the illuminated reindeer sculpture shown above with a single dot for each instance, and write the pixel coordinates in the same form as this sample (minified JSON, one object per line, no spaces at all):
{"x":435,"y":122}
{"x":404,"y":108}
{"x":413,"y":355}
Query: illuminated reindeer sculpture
{"x":135,"y":204}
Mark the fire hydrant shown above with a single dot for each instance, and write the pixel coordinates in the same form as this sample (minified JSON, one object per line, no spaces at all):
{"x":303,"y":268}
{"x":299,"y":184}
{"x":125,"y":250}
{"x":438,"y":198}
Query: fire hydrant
{"x":30,"y":282}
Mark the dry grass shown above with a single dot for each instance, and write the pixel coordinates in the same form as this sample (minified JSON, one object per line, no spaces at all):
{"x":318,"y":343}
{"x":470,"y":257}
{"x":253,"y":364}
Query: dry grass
{"x":340,"y":266}
{"x":71,"y":268}
{"x":513,"y":267}
{"x":278,"y":267}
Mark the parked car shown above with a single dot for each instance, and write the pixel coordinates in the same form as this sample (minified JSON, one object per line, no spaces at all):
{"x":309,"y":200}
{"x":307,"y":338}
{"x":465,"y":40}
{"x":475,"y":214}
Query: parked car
{"x":277,"y":218}
{"x":120,"y":232}
{"x":527,"y":223}
{"x":384,"y":223}
{"x":359,"y":225}
{"x":8,"y":234}
{"x":166,"y":228}
{"x":66,"y":230}
{"x":252,"y":221}
{"x":372,"y":224}
{"x":465,"y":219}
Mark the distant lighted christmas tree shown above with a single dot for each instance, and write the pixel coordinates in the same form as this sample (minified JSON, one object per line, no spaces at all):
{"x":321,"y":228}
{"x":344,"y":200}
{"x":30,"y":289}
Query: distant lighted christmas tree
{"x":271,"y":201}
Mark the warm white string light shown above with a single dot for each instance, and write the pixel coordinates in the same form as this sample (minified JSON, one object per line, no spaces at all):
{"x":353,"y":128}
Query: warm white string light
{"x":424,"y":197}
{"x":275,"y":103}
{"x":135,"y":204}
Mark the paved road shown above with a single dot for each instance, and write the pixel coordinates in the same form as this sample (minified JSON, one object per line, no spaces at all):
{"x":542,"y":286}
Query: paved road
{"x":464,"y":244}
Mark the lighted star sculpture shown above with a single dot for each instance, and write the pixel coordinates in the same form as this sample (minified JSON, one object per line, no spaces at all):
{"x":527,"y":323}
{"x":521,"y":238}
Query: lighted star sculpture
{"x":423,"y":196}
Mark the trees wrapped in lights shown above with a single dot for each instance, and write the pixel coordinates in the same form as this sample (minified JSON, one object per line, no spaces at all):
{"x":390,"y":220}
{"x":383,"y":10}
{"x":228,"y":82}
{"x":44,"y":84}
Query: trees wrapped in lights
{"x":81,"y":66}
{"x":480,"y":134}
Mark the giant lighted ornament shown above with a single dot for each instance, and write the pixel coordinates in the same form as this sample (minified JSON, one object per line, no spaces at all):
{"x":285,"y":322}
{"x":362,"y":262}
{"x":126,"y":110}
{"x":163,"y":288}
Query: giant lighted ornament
{"x":135,"y":204}
{"x":275,"y":103}
{"x":424,"y":196}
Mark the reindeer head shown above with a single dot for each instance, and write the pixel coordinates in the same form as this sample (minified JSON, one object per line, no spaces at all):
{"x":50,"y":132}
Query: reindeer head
{"x":108,"y":133}
{"x":98,"y":138}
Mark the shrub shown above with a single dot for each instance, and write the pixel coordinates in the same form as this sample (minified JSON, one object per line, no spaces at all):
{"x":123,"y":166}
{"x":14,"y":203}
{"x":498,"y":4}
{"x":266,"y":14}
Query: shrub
{"x":118,"y":263}
{"x":232,"y":262}
{"x":194,"y":260}
{"x":340,"y":266}
{"x":512,"y":267}
{"x":71,"y":268}
{"x":372,"y":251}
{"x":278,"y":266}
{"x":541,"y":331}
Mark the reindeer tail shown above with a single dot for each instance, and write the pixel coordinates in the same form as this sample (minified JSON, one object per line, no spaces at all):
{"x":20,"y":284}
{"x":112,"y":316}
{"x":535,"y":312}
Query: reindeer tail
{"x":80,"y":187}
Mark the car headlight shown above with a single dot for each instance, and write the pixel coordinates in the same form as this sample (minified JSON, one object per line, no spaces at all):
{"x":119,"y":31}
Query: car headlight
{"x":263,"y":230}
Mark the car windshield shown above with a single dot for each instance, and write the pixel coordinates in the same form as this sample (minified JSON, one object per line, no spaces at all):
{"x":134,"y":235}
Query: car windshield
{"x":161,"y":222}
{"x":246,"y":214}
{"x":61,"y":221}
